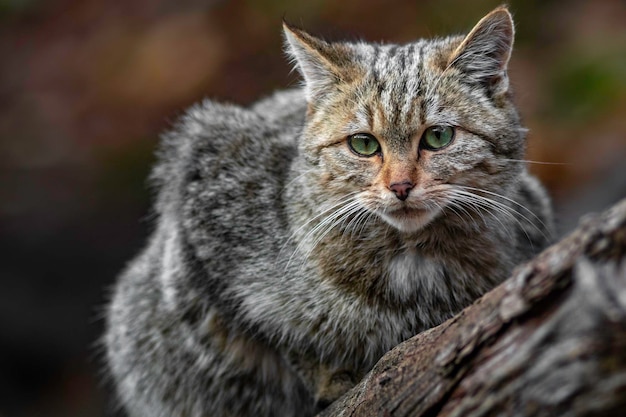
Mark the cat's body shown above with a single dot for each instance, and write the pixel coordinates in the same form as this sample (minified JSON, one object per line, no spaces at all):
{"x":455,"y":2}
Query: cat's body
{"x":285,"y":262}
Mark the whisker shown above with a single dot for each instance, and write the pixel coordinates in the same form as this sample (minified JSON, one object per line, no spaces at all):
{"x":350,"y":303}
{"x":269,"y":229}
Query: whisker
{"x":483,"y":205}
{"x":342,"y":213}
{"x":331,"y":207}
{"x":505,"y":210}
{"x":297,"y":178}
{"x":528,"y":161}
{"x":358,"y":223}
{"x":346,"y":209}
{"x":511,"y":201}
{"x":327,"y":227}
{"x":455,"y":205}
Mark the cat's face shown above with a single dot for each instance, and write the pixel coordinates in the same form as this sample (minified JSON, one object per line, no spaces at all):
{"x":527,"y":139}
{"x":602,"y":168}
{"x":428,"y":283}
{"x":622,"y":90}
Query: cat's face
{"x":408,"y":132}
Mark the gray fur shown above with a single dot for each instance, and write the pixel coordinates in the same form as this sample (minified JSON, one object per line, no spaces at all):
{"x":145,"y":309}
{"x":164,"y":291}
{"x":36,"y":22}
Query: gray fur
{"x":277,"y":274}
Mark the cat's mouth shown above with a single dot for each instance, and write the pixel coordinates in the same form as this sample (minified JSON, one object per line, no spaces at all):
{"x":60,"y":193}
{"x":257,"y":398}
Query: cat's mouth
{"x":409,"y":219}
{"x":408,"y":212}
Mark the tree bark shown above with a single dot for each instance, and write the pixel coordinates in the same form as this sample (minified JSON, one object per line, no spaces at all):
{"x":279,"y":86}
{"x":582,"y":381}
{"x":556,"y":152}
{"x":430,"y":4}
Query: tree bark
{"x":549,"y":341}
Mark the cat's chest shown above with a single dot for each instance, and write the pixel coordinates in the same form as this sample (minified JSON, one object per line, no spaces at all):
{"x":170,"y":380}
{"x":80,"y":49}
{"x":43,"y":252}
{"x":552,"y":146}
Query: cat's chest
{"x":409,"y":273}
{"x":439,"y":285}
{"x":401,"y":276}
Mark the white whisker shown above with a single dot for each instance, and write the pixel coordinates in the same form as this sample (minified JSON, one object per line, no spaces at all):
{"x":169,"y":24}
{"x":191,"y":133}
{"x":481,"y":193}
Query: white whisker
{"x":503,"y":209}
{"x":328,"y":208}
{"x":297,"y":178}
{"x":523,"y":207}
{"x":528,"y":161}
{"x":454,"y":205}
{"x":331,"y":217}
{"x":358,"y":223}
{"x":482,"y":205}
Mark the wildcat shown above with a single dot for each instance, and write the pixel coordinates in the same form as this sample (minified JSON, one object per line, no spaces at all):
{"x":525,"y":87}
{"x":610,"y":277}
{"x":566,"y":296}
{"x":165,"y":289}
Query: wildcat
{"x":301,"y":238}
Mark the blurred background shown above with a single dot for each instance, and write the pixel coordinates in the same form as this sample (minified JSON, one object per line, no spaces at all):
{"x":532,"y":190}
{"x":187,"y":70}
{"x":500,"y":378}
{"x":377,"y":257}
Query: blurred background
{"x":87,"y":85}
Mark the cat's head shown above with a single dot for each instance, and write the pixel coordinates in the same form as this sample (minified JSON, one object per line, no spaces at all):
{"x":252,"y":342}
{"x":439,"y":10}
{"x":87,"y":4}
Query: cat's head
{"x":409,"y":131}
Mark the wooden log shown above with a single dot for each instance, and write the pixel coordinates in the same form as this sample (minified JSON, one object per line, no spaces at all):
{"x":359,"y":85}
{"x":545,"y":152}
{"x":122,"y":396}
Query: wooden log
{"x":549,"y":341}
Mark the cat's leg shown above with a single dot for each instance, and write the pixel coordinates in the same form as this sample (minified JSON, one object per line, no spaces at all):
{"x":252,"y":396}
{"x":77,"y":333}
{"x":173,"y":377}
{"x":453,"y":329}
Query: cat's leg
{"x":326,"y":383}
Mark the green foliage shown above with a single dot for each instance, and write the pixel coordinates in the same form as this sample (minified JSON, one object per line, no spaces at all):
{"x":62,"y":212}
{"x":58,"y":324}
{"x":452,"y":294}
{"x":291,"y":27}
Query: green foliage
{"x":584,"y":87}
{"x":13,"y":7}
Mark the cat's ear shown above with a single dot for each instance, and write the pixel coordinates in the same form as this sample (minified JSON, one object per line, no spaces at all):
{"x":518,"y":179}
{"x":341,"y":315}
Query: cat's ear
{"x":322,"y":64}
{"x":484,"y":54}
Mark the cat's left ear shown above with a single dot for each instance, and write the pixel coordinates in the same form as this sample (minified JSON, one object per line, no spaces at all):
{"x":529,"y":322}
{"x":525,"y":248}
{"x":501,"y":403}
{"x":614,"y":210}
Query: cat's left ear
{"x":322,"y":64}
{"x":484,"y":54}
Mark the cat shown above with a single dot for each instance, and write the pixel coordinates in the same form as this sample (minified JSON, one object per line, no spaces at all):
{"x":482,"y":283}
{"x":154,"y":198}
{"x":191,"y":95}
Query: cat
{"x":302,"y":237}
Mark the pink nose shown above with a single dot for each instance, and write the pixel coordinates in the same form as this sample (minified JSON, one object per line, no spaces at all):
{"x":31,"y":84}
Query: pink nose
{"x":401,"y":189}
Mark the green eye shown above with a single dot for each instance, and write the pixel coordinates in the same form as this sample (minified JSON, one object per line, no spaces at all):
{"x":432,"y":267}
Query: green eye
{"x":364,"y":144}
{"x":437,"y":137}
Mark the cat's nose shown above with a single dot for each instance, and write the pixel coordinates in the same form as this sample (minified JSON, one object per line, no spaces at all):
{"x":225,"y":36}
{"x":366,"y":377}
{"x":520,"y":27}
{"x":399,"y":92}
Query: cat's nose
{"x":401,"y":189}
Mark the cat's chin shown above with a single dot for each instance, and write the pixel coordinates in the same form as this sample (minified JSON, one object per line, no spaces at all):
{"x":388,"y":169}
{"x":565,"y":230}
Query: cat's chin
{"x":409,"y":220}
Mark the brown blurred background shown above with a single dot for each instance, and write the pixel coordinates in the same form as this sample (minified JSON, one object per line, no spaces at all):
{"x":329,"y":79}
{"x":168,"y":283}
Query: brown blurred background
{"x":87,"y":85}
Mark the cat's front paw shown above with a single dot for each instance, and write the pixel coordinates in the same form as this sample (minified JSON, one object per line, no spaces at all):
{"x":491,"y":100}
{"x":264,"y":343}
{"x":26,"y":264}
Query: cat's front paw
{"x":332,"y":385}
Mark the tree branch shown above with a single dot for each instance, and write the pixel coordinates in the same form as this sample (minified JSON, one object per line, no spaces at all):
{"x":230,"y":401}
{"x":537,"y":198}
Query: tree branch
{"x":551,"y":340}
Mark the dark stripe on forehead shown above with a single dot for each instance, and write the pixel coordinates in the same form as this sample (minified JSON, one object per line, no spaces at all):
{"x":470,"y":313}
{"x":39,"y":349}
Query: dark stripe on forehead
{"x":395,"y":108}
{"x":384,"y":61}
{"x":402,"y":59}
{"x":374,"y":67}
{"x":420,"y":91}
{"x":396,"y":75}
{"x":412,"y":78}
{"x":377,"y":54}
{"x":407,"y":55}
{"x":420,"y":68}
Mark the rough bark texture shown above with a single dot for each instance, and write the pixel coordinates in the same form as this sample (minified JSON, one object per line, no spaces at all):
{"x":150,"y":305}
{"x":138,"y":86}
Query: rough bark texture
{"x":550,"y":341}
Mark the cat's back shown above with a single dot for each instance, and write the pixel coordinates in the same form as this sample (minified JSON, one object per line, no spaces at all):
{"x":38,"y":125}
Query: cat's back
{"x":213,"y":137}
{"x":226,"y":146}
{"x":222,"y":171}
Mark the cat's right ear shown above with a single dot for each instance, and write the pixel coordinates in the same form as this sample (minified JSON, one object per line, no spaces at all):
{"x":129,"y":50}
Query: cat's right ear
{"x":323,"y":65}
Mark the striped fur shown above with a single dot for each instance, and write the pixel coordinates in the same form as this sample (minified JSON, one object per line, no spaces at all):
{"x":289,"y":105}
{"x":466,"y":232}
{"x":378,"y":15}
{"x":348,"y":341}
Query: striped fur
{"x":284,"y":264}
